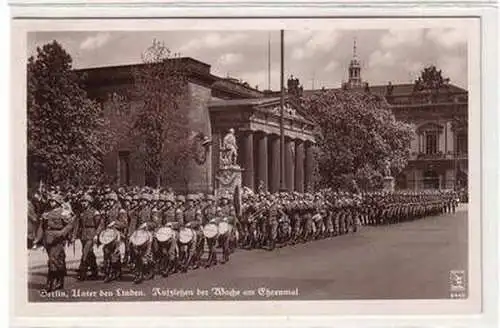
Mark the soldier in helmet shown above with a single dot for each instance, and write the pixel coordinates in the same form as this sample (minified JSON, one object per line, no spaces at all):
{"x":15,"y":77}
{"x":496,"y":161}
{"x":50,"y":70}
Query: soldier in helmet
{"x":143,"y":254}
{"x":112,"y":217}
{"x":168,"y":250}
{"x":55,"y":228}
{"x":193,"y":220}
{"x":210,"y":213}
{"x":86,"y":224}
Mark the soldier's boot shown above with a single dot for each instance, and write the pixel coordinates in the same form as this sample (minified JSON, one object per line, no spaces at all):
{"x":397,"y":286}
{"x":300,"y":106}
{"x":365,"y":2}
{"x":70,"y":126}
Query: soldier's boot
{"x":82,"y":272}
{"x":150,"y":271}
{"x":59,"y":280}
{"x":94,"y":275}
{"x":49,"y":285}
{"x":138,"y":273}
{"x":117,"y":270}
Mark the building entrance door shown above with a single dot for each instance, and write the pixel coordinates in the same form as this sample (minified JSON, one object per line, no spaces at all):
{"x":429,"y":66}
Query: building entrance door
{"x":431,"y":180}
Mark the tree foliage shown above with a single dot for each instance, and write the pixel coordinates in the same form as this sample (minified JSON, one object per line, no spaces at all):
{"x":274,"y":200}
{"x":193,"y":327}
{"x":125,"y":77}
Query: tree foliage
{"x":66,"y":130}
{"x":160,"y":127}
{"x":357,"y":134}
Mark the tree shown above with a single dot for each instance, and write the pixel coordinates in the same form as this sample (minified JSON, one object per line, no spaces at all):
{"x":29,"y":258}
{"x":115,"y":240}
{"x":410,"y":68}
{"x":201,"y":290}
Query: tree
{"x":160,"y":129}
{"x":66,"y":130}
{"x":356,"y":134}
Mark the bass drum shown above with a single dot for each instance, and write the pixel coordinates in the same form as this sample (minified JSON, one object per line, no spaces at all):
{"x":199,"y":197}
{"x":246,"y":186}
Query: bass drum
{"x":140,"y":237}
{"x":164,"y":234}
{"x":186,"y":235}
{"x":210,"y":230}
{"x":108,"y":236}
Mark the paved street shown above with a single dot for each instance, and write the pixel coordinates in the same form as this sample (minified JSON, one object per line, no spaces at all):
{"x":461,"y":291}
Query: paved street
{"x":410,"y":260}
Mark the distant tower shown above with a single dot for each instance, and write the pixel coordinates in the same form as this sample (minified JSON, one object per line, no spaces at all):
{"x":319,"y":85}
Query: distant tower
{"x":354,"y":70}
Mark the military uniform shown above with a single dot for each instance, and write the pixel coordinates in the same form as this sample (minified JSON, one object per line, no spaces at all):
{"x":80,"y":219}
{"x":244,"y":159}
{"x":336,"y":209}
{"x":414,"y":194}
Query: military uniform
{"x":210,"y":213}
{"x":86,"y":224}
{"x":55,"y":228}
{"x":116,"y":218}
{"x":143,"y":255}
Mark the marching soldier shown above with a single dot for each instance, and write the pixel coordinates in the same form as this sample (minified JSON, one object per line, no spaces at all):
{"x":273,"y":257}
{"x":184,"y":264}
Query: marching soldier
{"x":143,"y":254}
{"x":86,"y":224}
{"x":54,"y":229}
{"x":209,"y":213}
{"x":113,"y":217}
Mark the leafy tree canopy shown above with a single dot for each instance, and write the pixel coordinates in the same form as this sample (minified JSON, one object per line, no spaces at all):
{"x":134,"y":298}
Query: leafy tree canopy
{"x":66,"y":131}
{"x":357,"y":134}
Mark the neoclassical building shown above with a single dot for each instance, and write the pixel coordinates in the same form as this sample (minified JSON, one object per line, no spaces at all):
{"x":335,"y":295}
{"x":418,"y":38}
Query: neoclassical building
{"x":438,"y":158}
{"x":214,"y":105}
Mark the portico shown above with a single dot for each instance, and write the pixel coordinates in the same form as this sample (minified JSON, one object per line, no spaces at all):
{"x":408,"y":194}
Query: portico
{"x":257,"y":126}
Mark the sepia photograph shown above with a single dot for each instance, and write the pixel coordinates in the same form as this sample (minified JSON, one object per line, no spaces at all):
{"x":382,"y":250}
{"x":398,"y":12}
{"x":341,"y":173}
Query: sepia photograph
{"x":288,"y":163}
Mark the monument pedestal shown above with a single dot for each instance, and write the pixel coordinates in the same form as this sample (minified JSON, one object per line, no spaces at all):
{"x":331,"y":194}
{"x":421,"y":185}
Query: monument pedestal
{"x":227,"y":179}
{"x":389,"y":183}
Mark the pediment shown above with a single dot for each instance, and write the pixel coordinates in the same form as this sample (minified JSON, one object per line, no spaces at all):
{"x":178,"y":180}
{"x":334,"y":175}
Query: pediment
{"x":291,"y":109}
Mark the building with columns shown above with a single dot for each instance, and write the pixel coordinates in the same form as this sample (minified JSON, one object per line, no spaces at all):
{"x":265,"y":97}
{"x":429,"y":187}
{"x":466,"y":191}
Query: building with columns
{"x":214,"y":105}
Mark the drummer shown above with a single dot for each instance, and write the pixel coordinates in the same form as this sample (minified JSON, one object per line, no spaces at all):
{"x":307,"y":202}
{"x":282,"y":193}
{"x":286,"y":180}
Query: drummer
{"x":190,"y":221}
{"x":209,"y":213}
{"x":170,"y":247}
{"x":142,"y":255}
{"x":113,"y":217}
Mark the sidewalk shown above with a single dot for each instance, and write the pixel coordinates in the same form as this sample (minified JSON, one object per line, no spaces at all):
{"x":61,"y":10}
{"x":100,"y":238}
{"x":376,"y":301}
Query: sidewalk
{"x":37,"y":258}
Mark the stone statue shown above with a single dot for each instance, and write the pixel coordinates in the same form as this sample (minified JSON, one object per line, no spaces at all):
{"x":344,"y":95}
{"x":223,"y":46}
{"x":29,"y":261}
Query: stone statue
{"x":229,"y":151}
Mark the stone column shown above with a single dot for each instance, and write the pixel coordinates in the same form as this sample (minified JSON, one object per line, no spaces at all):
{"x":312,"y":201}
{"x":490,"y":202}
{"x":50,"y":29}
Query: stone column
{"x":247,"y":160}
{"x":308,"y":166}
{"x":299,"y":165}
{"x":274,"y":163}
{"x":289,"y":164}
{"x":262,"y":164}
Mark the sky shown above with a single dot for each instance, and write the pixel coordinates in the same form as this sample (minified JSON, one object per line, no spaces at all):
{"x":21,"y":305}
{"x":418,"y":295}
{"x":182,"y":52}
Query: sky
{"x":317,"y":58}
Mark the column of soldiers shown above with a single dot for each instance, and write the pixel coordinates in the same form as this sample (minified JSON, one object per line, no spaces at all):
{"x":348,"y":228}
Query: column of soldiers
{"x":155,"y":232}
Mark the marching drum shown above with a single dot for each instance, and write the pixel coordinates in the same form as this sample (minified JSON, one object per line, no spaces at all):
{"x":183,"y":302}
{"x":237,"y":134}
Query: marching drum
{"x":107,"y":236}
{"x":186,"y":235}
{"x":224,"y":227}
{"x":140,"y":237}
{"x":164,"y":234}
{"x":210,"y":230}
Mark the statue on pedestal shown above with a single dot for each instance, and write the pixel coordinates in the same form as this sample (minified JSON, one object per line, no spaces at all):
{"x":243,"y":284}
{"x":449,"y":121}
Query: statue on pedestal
{"x":229,"y":150}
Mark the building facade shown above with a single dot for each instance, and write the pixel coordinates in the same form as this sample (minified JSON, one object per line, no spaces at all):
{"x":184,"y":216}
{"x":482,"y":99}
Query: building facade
{"x":439,"y":153}
{"x":214,"y":105}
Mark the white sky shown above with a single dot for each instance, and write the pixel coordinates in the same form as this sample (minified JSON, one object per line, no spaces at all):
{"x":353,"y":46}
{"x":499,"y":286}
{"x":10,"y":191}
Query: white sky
{"x":386,"y":55}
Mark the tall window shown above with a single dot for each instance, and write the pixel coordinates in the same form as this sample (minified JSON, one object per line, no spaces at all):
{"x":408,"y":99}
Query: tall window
{"x":461,"y":144}
{"x":431,"y":143}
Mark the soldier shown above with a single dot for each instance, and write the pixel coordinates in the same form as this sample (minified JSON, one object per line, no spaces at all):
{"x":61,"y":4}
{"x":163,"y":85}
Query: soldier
{"x":226,"y":241}
{"x":143,"y":255}
{"x":54,"y":229}
{"x":114,"y":217}
{"x":169,"y":248}
{"x":193,"y":220}
{"x":86,"y":224}
{"x":209,"y":213}
{"x":274,"y":213}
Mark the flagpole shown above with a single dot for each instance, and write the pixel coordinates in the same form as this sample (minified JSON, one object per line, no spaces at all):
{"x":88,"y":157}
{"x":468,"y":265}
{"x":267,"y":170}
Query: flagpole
{"x":269,"y":61}
{"x":282,"y":110}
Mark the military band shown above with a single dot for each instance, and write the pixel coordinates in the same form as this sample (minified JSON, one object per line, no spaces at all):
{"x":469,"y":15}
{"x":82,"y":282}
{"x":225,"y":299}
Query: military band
{"x":146,"y":232}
